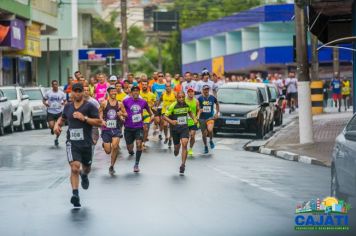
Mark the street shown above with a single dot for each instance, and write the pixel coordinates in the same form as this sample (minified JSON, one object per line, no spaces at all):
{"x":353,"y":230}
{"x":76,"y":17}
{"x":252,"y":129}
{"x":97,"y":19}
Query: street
{"x":228,"y":192}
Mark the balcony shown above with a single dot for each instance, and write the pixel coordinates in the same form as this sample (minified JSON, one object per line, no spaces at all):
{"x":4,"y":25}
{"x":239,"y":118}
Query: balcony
{"x":92,"y":7}
{"x":47,"y":6}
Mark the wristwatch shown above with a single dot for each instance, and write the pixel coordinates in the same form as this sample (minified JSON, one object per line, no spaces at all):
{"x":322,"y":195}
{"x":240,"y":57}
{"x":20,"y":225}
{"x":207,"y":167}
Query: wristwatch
{"x":85,"y":118}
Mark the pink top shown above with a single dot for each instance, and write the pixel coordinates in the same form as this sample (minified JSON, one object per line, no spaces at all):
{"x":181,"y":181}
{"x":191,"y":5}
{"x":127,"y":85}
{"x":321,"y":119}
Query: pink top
{"x":100,"y":91}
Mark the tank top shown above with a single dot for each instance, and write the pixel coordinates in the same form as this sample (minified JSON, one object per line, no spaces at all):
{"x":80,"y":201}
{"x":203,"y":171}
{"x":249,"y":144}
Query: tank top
{"x":111,"y":117}
{"x":167,"y":100}
{"x":100,"y":91}
{"x":193,"y":107}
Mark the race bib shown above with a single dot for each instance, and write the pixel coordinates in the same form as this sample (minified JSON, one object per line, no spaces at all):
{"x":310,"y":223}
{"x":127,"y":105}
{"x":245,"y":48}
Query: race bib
{"x":111,"y":124}
{"x":336,"y":85}
{"x":206,"y":109}
{"x":182,"y":120}
{"x":76,"y":134}
{"x":136,"y":118}
{"x":55,"y":105}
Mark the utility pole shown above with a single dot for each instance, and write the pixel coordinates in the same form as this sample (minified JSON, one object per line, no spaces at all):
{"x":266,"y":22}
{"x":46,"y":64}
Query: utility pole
{"x":336,"y":62}
{"x":314,"y":58}
{"x":48,"y":64}
{"x":125,"y":58}
{"x":59,"y":61}
{"x":304,"y":98}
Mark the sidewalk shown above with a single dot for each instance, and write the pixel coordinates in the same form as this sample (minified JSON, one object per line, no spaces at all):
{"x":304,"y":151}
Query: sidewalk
{"x":326,"y":128}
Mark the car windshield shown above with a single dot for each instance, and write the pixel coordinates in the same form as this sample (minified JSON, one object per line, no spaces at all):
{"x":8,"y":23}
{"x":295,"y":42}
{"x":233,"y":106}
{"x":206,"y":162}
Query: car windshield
{"x":238,"y":96}
{"x":10,"y":93}
{"x":34,"y":94}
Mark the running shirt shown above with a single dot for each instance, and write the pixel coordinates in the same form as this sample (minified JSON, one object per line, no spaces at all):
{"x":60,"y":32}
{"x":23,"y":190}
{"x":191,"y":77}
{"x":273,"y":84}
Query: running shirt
{"x":94,"y":102}
{"x":206,"y":105}
{"x":193,"y":107}
{"x":134,"y":109}
{"x":178,"y":88}
{"x":291,"y":84}
{"x":158,"y":89}
{"x":150,"y":98}
{"x":120,"y":96}
{"x":336,"y":86}
{"x":79,"y":133}
{"x":100,"y":91}
{"x":346,"y":88}
{"x":199,"y":86}
{"x":175,"y":82}
{"x":55,"y":101}
{"x":91,"y":90}
{"x":186,"y":85}
{"x":179,"y":112}
{"x":167,"y":100}
{"x":111,"y":117}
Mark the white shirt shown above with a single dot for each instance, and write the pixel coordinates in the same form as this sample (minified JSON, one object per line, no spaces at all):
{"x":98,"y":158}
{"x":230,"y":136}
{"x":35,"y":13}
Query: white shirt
{"x":55,"y":101}
{"x":186,"y":85}
{"x":291,"y":84}
{"x":200,"y":85}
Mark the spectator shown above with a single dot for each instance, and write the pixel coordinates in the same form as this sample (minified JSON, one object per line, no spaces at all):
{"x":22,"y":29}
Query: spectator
{"x":292,"y":91}
{"x":68,"y":87}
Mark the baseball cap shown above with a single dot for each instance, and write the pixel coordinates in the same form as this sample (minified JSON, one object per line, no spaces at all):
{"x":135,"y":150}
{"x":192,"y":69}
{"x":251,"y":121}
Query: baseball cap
{"x":113,"y":78}
{"x":205,"y":72}
{"x":77,"y":86}
{"x":206,"y":87}
{"x":135,"y":88}
{"x":110,"y":87}
{"x":190,"y":89}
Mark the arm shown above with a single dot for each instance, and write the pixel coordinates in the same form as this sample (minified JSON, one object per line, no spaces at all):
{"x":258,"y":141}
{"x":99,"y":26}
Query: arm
{"x":101,"y":109}
{"x":122,"y":113}
{"x":193,"y":117}
{"x":217,"y":109}
{"x":58,"y":125}
{"x":44,"y":101}
{"x":171,"y":122}
{"x":199,"y":110}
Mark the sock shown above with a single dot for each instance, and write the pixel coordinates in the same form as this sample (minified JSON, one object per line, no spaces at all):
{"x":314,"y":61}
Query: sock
{"x":75,"y":192}
{"x":138,"y":157}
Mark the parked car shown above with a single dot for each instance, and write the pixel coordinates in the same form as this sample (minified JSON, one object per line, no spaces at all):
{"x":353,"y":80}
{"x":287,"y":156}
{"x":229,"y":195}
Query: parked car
{"x":6,"y":122}
{"x":21,"y":107}
{"x":278,"y":111}
{"x":244,"y":108}
{"x":343,"y":164}
{"x":39,"y":110}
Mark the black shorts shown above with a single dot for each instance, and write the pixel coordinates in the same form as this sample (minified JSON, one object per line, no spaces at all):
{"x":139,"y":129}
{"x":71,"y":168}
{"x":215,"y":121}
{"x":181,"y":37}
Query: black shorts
{"x":158,"y":112}
{"x":133,"y":134}
{"x":108,"y":135}
{"x":193,"y":127}
{"x":292,"y":95}
{"x":53,"y":117}
{"x":77,"y":153}
{"x":178,"y":134}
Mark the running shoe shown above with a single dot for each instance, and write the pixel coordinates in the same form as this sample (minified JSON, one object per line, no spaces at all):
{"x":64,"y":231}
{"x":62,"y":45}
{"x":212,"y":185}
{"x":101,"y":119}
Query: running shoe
{"x":206,"y":150}
{"x":111,"y":170}
{"x":181,"y":169}
{"x":85,"y":181}
{"x":190,"y":152}
{"x":166,"y":141}
{"x":170,"y":143}
{"x":56,"y":143}
{"x":75,"y":200}
{"x":212,"y":145}
{"x":160,"y":137}
{"x":136,"y":169}
{"x":132,"y":153}
{"x":52,"y":132}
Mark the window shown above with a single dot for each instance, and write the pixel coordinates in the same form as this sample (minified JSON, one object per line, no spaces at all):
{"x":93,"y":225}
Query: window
{"x":264,"y":94}
{"x":351,"y":126}
{"x":273,"y":92}
{"x":10,"y":94}
{"x":238,"y":96}
{"x":34,"y":94}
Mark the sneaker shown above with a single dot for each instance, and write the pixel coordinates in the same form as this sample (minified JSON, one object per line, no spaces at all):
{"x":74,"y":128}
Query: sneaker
{"x":131,"y":153}
{"x":75,"y":200}
{"x":170,"y":143}
{"x":166,"y":141}
{"x":136,"y":169}
{"x":190,"y":152}
{"x":206,"y":150}
{"x":212,"y":145}
{"x":52,"y":132}
{"x":56,"y":143}
{"x":181,"y":169}
{"x":85,"y":181}
{"x":111,"y":170}
{"x":160,"y":137}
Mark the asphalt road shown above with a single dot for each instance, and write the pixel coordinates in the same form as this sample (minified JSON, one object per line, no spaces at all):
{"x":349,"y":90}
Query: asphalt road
{"x":228,"y":192}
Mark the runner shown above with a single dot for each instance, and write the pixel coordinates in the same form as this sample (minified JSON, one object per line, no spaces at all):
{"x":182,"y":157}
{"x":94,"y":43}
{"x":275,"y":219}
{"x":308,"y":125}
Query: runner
{"x":167,"y":99}
{"x":336,"y":91}
{"x":134,"y":107}
{"x":54,"y":100}
{"x":120,"y":94}
{"x":177,"y":117}
{"x":100,"y":88}
{"x":193,"y":127}
{"x":203,"y":82}
{"x":207,"y":117}
{"x":158,"y":88}
{"x":346,"y":92}
{"x":150,"y":98}
{"x":291,"y":84}
{"x":189,"y":83}
{"x":81,"y":116}
{"x":111,"y":112}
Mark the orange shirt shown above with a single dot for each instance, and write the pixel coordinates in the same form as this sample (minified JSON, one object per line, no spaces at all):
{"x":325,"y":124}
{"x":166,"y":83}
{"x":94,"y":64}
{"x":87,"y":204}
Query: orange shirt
{"x":152,"y":81}
{"x":178,"y":88}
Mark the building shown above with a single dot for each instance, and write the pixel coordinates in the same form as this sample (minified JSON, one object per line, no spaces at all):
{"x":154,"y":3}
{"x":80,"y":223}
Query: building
{"x":259,"y":39}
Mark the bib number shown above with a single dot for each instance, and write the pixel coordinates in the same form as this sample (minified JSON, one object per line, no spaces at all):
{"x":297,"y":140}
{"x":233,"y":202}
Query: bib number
{"x":76,"y":134}
{"x":206,"y":109}
{"x":136,"y":118}
{"x":55,"y":105}
{"x":182,"y":120}
{"x":111,"y":124}
{"x":337,"y":85}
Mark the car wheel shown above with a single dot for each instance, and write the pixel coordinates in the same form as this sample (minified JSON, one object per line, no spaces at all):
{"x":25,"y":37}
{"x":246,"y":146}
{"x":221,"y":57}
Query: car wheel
{"x":21,"y":127}
{"x":44,"y":124}
{"x":10,"y":128}
{"x":30,"y":124}
{"x":334,"y":188}
{"x":2,"y":128}
{"x":260,"y":133}
{"x":37,"y":125}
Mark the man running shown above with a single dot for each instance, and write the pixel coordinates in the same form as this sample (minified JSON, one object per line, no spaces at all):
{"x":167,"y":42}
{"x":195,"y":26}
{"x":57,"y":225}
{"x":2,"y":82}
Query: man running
{"x":134,"y":106}
{"x":193,"y":104}
{"x":336,"y":91}
{"x":158,"y":88}
{"x":150,"y":98}
{"x":207,"y":117}
{"x":111,"y":112}
{"x":100,"y":88}
{"x":120,"y":94}
{"x":177,"y":117}
{"x":54,"y":100}
{"x":204,"y":82}
{"x":81,"y":116}
{"x":189,"y":83}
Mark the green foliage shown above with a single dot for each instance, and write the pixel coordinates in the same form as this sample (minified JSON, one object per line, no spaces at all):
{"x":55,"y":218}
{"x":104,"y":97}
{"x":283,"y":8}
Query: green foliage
{"x":136,"y":37}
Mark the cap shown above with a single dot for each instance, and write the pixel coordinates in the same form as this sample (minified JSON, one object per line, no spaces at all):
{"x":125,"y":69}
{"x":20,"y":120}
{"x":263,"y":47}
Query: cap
{"x":206,"y":87}
{"x":135,"y":88}
{"x":190,"y":89}
{"x":77,"y":86}
{"x":205,"y":72}
{"x":113,"y":78}
{"x":110,"y":87}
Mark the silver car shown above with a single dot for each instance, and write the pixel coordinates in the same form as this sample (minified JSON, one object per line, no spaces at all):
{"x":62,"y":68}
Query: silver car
{"x":6,"y":122}
{"x":343,"y":165}
{"x":39,"y":110}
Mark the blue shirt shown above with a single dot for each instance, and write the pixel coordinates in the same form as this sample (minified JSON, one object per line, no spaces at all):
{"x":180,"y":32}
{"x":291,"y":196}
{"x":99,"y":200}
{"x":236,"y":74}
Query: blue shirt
{"x":206,"y":105}
{"x":336,"y":86}
{"x":158,"y":89}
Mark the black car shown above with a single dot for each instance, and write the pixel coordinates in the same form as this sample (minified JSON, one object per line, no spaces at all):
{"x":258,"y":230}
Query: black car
{"x":244,"y":108}
{"x":274,"y":96}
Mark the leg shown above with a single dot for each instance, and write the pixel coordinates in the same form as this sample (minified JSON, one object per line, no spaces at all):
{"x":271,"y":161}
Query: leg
{"x":86,"y":169}
{"x":165,"y":129}
{"x":139,"y":137}
{"x":184,"y":142}
{"x":129,"y":138}
{"x":107,"y":148}
{"x":210,"y":127}
{"x":192,"y":138}
{"x":74,"y":175}
{"x":115,"y":149}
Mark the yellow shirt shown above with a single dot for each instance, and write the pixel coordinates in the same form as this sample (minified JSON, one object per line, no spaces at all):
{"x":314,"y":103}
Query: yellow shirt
{"x":150,"y":98}
{"x":346,"y":88}
{"x":167,"y":100}
{"x":120,"y":96}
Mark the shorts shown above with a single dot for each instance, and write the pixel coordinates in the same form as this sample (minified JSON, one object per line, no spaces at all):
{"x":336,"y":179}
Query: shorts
{"x":292,"y":95}
{"x":178,"y":134}
{"x":53,"y":117}
{"x":95,"y":134}
{"x":108,"y":135}
{"x":193,"y":127}
{"x":158,"y":112}
{"x":82,"y":154}
{"x":133,"y":134}
{"x":337,"y":96}
{"x":204,"y":123}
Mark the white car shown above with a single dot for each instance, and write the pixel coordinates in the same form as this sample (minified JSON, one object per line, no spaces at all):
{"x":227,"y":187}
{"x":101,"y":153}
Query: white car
{"x":5,"y":115}
{"x":20,"y":102}
{"x":39,"y":110}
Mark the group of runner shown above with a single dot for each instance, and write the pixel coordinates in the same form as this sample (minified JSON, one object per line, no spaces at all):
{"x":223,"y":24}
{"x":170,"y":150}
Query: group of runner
{"x":177,"y":108}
